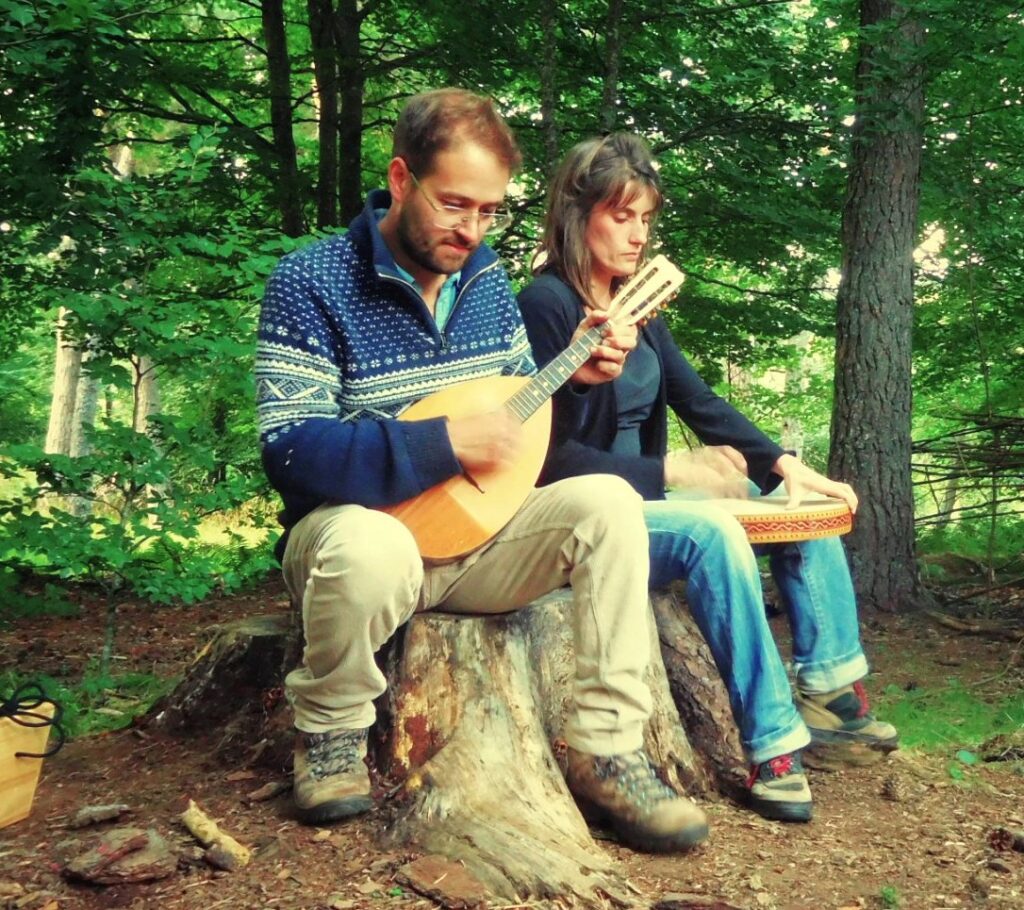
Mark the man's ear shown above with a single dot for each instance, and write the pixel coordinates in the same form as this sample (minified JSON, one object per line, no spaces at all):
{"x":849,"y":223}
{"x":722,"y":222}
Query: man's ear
{"x":399,"y":180}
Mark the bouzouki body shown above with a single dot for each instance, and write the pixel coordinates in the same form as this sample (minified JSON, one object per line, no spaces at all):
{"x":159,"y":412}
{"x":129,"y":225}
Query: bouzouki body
{"x":456,"y":516}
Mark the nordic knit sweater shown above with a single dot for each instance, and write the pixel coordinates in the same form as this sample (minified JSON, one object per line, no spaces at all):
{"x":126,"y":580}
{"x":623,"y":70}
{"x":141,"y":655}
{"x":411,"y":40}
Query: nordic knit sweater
{"x":346,"y":344}
{"x":586,"y":417}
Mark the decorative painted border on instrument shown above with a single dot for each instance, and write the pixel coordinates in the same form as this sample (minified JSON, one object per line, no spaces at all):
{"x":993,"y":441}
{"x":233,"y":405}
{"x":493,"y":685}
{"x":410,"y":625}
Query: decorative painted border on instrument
{"x":789,"y":528}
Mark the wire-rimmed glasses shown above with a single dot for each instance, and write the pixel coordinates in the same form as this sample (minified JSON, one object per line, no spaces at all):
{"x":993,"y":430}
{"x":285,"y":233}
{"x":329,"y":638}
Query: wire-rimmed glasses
{"x":453,"y":217}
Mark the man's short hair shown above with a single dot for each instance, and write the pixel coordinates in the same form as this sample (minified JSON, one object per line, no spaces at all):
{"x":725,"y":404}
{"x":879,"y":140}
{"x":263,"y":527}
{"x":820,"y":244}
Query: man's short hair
{"x":434,"y":121}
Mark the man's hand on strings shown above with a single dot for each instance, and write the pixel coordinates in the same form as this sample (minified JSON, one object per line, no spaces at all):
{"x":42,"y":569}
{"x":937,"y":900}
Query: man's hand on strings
{"x":486,"y":441}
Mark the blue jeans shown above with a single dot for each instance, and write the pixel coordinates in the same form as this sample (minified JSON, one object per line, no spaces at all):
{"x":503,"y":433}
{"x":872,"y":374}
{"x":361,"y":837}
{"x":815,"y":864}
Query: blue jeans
{"x":708,"y":547}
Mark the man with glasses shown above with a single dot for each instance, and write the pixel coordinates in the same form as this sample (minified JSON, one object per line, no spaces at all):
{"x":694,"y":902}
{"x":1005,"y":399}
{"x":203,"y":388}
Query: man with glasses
{"x":354,"y":329}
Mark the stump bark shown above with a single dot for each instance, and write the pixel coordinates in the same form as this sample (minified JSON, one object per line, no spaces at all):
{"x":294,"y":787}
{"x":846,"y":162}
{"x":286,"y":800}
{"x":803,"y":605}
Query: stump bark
{"x":467,"y":743}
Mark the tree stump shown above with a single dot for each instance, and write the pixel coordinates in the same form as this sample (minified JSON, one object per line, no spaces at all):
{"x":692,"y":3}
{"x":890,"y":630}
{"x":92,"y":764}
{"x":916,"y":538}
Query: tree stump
{"x":467,"y":742}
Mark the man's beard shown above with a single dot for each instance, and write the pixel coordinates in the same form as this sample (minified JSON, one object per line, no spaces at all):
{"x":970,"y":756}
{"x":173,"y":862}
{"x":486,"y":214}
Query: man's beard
{"x":417,"y":248}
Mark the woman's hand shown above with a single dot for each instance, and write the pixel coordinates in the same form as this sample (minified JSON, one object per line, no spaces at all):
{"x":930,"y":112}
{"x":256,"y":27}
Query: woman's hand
{"x":607,"y":358}
{"x":716,"y":471}
{"x":799,"y":478}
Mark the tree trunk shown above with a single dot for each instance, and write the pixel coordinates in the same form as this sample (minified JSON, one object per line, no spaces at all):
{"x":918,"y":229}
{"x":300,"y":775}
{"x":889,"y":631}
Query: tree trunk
{"x":325,"y":70}
{"x":86,"y":402}
{"x":871,"y":415}
{"x":612,"y":61}
{"x":549,"y":83}
{"x":67,"y":370}
{"x":467,"y":742}
{"x":352,"y":79}
{"x":286,"y":186}
{"x":147,"y":395}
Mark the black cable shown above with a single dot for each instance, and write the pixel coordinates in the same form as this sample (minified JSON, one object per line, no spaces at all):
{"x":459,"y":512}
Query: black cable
{"x":22,"y":708}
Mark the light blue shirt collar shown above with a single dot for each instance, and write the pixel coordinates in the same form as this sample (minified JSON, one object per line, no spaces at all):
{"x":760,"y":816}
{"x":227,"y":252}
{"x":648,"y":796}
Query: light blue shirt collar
{"x":445,"y":297}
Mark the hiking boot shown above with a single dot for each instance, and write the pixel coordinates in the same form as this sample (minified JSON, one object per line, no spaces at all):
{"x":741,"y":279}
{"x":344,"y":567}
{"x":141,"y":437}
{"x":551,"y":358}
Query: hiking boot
{"x":842,"y":718}
{"x":331,"y":780}
{"x":625,"y":792}
{"x":779,"y":791}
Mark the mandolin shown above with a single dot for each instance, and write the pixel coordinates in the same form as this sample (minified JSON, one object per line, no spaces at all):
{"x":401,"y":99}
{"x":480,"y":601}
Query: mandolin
{"x":456,"y":516}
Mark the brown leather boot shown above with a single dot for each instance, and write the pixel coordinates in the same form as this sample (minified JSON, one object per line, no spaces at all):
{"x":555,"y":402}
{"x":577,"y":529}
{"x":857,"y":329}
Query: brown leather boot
{"x":625,"y":791}
{"x":331,"y":781}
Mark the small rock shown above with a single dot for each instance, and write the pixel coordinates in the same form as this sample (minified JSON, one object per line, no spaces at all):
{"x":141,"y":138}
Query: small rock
{"x":93,"y":815}
{"x":998,"y":865}
{"x":124,"y":855}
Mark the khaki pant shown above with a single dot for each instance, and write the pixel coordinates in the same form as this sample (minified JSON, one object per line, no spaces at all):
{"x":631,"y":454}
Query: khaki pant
{"x":358,"y":576}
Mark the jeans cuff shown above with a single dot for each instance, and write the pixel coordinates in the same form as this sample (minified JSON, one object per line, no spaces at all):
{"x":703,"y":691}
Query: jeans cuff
{"x":820,"y":678}
{"x":792,"y":737}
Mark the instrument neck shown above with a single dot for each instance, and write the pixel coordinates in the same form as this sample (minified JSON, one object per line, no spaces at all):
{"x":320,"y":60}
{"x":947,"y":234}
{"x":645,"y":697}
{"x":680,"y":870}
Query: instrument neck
{"x":556,"y":374}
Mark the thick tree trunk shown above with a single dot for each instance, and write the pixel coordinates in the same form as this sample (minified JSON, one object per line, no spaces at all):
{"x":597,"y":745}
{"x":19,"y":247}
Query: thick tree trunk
{"x":286,"y":186}
{"x":352,"y":80}
{"x":872,"y":410}
{"x":325,"y":70}
{"x":467,"y":741}
{"x":67,"y":369}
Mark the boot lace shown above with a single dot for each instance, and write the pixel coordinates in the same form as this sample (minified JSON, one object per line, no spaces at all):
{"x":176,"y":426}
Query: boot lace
{"x":634,"y":776}
{"x":862,"y":697}
{"x":333,"y":753}
{"x":775,"y":768}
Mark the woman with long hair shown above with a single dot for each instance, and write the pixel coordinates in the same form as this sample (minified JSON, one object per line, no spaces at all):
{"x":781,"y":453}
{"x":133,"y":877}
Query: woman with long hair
{"x":602,"y":206}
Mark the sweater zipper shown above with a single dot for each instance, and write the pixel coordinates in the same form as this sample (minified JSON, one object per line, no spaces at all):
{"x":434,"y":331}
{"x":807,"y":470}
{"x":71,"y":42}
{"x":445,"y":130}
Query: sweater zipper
{"x":419,"y":300}
{"x":458,"y":298}
{"x":442,"y":335}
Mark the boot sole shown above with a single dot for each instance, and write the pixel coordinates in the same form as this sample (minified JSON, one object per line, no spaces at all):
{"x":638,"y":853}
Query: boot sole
{"x":334,"y":810}
{"x":780,"y":811}
{"x":850,"y":737}
{"x":639,"y":839}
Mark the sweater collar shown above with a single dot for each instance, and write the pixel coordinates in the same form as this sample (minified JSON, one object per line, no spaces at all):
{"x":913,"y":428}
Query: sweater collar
{"x":366,"y":234}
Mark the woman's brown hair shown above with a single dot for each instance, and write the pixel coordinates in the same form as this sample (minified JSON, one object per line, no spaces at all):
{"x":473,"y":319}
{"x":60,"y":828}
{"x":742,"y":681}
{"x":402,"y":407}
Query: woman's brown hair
{"x":611,"y":171}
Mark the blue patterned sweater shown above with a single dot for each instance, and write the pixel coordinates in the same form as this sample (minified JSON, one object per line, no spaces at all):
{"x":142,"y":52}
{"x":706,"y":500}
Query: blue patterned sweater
{"x":346,"y":344}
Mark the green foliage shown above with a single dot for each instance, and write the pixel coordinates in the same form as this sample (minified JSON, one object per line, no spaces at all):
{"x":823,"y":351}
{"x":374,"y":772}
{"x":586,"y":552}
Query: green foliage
{"x":97,"y":703}
{"x":115,"y":518}
{"x":949,"y":717}
{"x":890,"y":898}
{"x":965,"y":540}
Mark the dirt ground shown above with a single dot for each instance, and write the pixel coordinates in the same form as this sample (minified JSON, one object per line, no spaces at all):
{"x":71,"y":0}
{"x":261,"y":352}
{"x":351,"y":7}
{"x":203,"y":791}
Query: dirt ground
{"x":902,"y":833}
